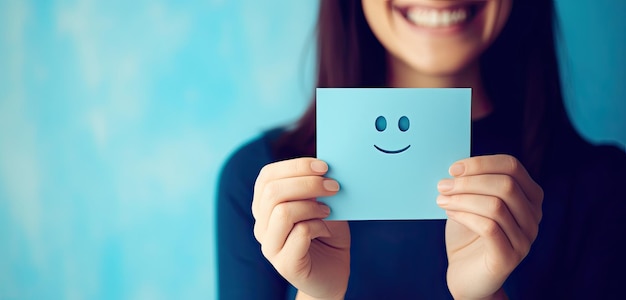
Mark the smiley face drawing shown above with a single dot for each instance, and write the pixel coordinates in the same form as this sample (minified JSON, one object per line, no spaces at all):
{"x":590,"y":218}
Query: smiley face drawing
{"x":381,"y":125}
{"x":388,"y":146}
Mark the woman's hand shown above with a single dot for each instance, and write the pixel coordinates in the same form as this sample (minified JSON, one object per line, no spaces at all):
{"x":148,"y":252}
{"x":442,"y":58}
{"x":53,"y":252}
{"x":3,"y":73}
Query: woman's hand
{"x":494,"y":210}
{"x":312,"y":254}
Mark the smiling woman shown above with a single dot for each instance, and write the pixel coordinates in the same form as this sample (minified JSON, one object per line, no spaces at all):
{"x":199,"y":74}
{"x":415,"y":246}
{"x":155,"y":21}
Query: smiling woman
{"x":534,"y":213}
{"x":116,"y":115}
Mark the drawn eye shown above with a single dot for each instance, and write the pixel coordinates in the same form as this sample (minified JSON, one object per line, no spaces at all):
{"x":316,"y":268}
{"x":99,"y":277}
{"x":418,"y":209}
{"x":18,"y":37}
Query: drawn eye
{"x":404,"y":123}
{"x":381,"y":123}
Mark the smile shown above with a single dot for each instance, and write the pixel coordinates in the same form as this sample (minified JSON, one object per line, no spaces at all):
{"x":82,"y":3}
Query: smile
{"x":392,"y":151}
{"x":430,"y":17}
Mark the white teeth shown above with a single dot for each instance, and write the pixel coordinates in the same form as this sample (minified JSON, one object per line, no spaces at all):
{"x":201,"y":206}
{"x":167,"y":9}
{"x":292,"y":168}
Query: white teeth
{"x":437,"y":18}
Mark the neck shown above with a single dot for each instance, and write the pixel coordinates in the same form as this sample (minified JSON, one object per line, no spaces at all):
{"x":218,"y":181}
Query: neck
{"x":403,"y":76}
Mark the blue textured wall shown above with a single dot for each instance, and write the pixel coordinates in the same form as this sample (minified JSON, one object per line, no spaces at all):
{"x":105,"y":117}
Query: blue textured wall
{"x":115,"y":117}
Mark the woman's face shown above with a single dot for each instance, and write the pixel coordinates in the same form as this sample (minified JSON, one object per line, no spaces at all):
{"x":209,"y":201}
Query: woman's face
{"x":436,"y":37}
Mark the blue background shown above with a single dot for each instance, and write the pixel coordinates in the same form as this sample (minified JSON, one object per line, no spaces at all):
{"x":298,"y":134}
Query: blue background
{"x":115,"y":117}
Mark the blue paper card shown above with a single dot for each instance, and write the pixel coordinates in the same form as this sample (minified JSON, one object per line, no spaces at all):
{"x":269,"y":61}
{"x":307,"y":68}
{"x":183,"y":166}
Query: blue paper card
{"x":388,"y":148}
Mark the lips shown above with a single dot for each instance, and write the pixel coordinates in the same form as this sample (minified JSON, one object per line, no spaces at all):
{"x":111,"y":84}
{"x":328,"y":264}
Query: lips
{"x":439,"y":17}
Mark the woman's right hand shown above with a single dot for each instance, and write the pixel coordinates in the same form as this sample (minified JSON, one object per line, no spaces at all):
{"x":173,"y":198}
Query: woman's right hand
{"x":310,"y":253}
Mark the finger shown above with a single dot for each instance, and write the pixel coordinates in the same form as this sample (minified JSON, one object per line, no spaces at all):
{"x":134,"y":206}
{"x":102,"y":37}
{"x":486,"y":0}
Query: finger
{"x":293,"y":188}
{"x":499,"y":164}
{"x":500,"y":186}
{"x":290,"y":189}
{"x":492,"y":208}
{"x":500,"y":254}
{"x":282,"y":220}
{"x":305,"y":166}
{"x":294,"y":258}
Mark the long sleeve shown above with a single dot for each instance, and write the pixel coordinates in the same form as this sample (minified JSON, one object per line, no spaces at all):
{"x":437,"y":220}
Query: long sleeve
{"x":243,"y":271}
{"x":598,"y":269}
{"x":579,"y":253}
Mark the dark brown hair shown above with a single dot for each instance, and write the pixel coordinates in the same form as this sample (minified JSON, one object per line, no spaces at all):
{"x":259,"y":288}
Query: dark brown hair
{"x":520,"y":73}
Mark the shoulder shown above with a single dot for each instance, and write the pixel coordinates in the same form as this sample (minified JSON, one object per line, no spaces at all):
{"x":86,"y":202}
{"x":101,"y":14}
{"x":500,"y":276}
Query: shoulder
{"x":244,"y":164}
{"x":601,"y":174}
{"x":609,"y":159}
{"x":577,"y":171}
{"x":570,"y":154}
{"x":603,"y":162}
{"x":590,"y":182}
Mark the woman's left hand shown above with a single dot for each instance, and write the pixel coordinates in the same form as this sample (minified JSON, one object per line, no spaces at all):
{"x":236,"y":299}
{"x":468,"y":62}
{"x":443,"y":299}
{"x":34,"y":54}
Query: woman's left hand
{"x":494,"y":210}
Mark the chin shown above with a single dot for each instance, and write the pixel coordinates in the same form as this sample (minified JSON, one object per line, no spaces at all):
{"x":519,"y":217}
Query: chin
{"x":436,"y":64}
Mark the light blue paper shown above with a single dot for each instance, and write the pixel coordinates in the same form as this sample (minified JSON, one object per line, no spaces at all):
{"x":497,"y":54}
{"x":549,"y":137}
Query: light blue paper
{"x":402,"y":183}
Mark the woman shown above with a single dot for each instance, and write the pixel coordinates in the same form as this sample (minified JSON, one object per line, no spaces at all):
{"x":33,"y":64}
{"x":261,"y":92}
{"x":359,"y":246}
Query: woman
{"x":533,"y":214}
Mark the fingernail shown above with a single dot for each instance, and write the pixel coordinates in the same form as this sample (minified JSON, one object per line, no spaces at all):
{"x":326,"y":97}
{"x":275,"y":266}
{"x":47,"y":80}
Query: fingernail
{"x":445,"y":185}
{"x":442,"y":200}
{"x":319,"y":166}
{"x":325,"y":209}
{"x":457,"y":169}
{"x":331,"y":185}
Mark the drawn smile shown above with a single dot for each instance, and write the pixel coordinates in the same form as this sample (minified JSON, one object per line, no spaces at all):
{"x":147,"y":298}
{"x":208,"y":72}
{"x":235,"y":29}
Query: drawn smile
{"x":392,"y":151}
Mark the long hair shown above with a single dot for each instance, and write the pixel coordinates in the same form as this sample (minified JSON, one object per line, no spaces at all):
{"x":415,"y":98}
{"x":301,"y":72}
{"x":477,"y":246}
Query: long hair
{"x":519,"y":71}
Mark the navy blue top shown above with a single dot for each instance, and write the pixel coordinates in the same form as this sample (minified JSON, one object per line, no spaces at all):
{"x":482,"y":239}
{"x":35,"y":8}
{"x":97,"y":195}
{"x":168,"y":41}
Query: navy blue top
{"x":577,"y":254}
